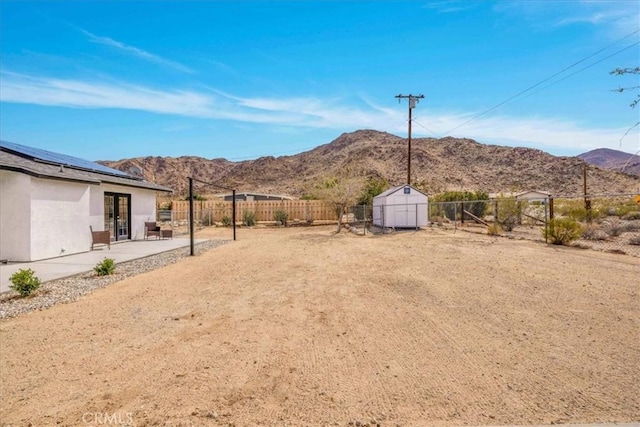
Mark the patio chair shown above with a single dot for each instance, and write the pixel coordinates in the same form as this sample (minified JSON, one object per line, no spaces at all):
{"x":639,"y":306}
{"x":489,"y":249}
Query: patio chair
{"x":100,"y":237}
{"x":151,"y":229}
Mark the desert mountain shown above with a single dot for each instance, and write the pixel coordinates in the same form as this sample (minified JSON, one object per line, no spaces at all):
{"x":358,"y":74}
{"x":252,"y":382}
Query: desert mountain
{"x":613,"y":159}
{"x":443,"y":164}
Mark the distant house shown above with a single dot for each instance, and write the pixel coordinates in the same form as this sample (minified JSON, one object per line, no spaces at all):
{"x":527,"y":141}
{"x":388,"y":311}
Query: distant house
{"x":49,"y":200}
{"x":400,"y":207}
{"x":251,"y":197}
{"x":533,"y":195}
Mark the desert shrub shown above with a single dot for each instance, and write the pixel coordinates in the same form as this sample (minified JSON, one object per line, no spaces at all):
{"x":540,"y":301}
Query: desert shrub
{"x":474,"y":202}
{"x":632,"y":215}
{"x":197,"y":197}
{"x":24,"y":282}
{"x":594,"y":232}
{"x":280,"y":216}
{"x":562,"y":231}
{"x":226,"y":221}
{"x":613,"y":227}
{"x":510,"y":212}
{"x":207,"y":219}
{"x":249,"y":218}
{"x":494,"y":230}
{"x":105,"y":267}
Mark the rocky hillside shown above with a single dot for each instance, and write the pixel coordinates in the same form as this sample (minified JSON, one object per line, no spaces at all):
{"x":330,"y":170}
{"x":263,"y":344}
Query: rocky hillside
{"x":613,"y":159}
{"x":443,"y":164}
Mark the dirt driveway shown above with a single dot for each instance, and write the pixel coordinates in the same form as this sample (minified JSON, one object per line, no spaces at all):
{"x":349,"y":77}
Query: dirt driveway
{"x":303,"y":327}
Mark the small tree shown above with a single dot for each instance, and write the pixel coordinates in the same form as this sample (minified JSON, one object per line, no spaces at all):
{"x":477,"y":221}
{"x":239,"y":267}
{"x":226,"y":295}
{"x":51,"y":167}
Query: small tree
{"x":372,"y":188}
{"x":341,"y":191}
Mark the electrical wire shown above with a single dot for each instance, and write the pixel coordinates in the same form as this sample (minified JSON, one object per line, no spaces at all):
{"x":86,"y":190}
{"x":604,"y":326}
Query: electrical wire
{"x":547,"y":79}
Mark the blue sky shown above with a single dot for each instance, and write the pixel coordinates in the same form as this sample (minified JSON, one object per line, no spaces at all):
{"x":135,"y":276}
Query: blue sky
{"x":239,"y":80}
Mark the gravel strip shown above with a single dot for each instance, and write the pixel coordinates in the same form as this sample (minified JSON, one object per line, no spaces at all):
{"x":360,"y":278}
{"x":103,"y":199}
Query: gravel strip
{"x":72,"y":288}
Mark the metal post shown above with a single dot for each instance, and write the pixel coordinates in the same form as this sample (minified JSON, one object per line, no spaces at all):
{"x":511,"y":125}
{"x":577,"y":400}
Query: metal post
{"x":191,"y":216}
{"x":409,"y":146}
{"x":233,"y":213}
{"x":587,"y":201}
{"x":546,"y":222}
{"x":455,"y":215}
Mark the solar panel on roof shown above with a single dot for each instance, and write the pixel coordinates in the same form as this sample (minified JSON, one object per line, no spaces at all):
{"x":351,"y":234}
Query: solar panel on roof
{"x":60,"y":159}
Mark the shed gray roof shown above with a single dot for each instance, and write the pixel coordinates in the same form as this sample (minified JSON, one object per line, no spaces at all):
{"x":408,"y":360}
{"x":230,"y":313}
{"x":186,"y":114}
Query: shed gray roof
{"x":31,"y":166}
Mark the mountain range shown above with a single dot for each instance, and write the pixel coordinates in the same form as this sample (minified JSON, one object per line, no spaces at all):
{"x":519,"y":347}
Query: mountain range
{"x":439,"y":164}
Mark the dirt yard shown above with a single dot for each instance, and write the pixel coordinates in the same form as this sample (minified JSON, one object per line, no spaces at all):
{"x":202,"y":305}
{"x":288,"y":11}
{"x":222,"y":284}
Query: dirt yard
{"x":303,"y":327}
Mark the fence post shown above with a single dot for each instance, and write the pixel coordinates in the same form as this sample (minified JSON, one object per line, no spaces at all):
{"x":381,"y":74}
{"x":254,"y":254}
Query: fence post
{"x":455,"y":216}
{"x":549,"y":202}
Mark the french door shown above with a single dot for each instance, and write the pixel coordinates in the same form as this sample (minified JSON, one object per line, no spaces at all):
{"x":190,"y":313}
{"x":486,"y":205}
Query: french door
{"x":117,"y":215}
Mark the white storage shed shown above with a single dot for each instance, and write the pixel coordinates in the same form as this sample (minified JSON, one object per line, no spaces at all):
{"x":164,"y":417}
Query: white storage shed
{"x":401,"y":207}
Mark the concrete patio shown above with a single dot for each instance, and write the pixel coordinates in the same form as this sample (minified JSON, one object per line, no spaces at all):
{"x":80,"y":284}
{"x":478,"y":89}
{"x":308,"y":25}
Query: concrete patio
{"x":70,"y":265}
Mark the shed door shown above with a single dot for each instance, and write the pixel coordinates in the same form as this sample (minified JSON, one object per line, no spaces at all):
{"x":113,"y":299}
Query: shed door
{"x":405,"y":215}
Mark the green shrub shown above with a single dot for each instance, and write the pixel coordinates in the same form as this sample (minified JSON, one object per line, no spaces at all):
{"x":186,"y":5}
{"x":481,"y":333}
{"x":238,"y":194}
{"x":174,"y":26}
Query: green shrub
{"x":226,"y":221}
{"x":249,"y":218}
{"x":105,"y":267}
{"x":281,"y":217}
{"x":24,"y":282}
{"x":562,"y":231}
{"x":510,"y":212}
{"x":474,"y":202}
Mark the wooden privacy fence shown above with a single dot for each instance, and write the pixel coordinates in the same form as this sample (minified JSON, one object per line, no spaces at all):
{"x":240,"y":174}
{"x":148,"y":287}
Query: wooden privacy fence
{"x":264,"y":210}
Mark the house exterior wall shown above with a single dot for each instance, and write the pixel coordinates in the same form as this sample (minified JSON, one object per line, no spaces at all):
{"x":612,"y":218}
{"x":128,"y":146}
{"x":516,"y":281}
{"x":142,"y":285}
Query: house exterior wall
{"x":15,"y":214}
{"x":401,"y":210}
{"x":45,"y":218}
{"x":143,"y":207}
{"x":59,"y":220}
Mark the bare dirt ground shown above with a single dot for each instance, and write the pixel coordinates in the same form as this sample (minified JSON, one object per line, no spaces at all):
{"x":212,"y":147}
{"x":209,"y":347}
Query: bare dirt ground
{"x":303,"y":327}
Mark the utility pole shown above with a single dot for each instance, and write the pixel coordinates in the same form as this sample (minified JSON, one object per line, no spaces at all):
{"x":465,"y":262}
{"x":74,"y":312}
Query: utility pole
{"x":413,"y":99}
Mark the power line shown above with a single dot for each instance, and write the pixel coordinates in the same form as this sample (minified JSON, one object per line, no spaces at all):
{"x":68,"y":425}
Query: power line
{"x":549,"y":78}
{"x":582,"y":69}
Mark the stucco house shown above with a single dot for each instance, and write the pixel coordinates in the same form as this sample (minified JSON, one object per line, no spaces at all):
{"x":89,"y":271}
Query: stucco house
{"x":49,"y":200}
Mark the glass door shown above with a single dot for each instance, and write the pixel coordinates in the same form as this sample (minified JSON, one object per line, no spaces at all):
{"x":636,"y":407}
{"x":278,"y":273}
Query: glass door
{"x":117,"y":215}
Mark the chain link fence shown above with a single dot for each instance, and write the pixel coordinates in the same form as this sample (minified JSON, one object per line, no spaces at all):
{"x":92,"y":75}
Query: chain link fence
{"x":609,"y":223}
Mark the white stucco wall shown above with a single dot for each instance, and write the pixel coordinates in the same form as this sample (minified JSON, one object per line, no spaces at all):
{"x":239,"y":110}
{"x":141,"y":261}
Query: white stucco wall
{"x":59,"y":218}
{"x":45,"y":218}
{"x":143,"y":207}
{"x":15,"y":214}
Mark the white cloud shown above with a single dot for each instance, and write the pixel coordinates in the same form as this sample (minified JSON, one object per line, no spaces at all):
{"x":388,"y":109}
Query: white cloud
{"x":550,"y":134}
{"x":106,"y":41}
{"x":616,"y":17}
